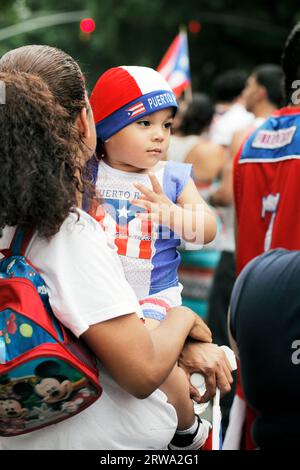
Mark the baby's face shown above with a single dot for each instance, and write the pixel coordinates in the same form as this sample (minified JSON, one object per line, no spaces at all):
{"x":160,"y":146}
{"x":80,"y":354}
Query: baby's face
{"x":142,"y":144}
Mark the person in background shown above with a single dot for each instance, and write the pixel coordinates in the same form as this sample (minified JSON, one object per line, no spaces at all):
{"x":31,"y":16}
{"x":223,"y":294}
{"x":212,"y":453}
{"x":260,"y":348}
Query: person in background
{"x":263,"y":94}
{"x":229,"y":96}
{"x":229,"y":90}
{"x":265,"y":192}
{"x":193,"y":146}
{"x":230,"y":113}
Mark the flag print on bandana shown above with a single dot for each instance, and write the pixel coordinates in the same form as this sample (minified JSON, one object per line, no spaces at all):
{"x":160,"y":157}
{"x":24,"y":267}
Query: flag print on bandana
{"x":133,"y":237}
{"x":135,"y":110}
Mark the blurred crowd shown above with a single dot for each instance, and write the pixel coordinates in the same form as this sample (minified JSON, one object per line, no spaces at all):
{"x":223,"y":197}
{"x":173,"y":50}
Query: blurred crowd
{"x":208,"y":132}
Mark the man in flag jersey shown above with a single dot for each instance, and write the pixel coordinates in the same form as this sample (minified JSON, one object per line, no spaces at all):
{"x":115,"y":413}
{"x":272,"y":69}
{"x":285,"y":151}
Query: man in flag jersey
{"x":134,"y":109}
{"x":266,"y":188}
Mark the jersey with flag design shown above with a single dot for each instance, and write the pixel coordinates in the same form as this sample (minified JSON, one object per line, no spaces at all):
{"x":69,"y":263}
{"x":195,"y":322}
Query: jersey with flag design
{"x":265,"y":187}
{"x":147,"y":251}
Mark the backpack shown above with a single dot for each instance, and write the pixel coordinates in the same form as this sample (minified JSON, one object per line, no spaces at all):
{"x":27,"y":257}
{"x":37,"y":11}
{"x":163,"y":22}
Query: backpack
{"x":46,"y":373}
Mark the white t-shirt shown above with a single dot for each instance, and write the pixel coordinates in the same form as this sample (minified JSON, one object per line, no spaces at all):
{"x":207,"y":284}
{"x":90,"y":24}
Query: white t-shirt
{"x":87,"y":286}
{"x":180,"y":147}
{"x":235,"y":119}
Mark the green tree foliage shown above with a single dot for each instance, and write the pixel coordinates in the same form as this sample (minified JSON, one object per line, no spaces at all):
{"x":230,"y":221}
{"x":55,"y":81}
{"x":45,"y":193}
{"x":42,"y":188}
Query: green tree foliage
{"x":233,"y":33}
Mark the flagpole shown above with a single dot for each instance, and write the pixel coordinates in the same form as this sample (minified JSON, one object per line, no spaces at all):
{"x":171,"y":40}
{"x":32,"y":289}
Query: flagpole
{"x":188,"y":93}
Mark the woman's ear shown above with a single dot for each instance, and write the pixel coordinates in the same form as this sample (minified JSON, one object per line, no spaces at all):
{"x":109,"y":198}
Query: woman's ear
{"x":82,"y":124}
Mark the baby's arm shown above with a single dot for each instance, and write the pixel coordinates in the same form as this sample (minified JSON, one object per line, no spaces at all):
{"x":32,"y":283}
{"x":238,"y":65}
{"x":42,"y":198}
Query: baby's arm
{"x":190,"y":218}
{"x":198,"y":221}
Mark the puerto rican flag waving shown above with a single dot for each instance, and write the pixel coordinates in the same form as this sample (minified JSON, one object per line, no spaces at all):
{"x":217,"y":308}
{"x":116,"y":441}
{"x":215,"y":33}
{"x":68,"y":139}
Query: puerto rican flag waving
{"x":175,"y":65}
{"x":133,"y":237}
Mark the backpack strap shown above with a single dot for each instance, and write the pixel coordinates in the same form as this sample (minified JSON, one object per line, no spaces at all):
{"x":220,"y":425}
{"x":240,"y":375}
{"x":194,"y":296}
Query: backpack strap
{"x":19,"y":242}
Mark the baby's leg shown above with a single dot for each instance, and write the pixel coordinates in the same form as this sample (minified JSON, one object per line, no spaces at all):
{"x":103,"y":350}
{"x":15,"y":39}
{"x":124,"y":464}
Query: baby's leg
{"x":191,"y":432}
{"x":176,"y":387}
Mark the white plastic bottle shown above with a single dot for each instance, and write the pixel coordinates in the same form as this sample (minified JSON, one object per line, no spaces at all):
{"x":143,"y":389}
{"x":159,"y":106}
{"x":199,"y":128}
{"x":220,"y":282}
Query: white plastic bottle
{"x":198,"y":381}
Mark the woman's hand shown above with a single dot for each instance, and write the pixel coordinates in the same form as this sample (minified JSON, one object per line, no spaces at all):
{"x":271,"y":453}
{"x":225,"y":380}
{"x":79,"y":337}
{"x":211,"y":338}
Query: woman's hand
{"x":209,"y":360}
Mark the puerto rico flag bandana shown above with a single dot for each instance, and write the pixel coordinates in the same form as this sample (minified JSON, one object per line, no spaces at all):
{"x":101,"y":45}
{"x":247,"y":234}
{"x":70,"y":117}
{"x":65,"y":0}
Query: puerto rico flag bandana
{"x":125,"y":94}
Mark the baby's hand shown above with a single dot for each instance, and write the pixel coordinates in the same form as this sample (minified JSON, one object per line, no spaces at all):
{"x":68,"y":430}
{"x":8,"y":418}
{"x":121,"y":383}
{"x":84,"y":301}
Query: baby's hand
{"x":159,"y":207}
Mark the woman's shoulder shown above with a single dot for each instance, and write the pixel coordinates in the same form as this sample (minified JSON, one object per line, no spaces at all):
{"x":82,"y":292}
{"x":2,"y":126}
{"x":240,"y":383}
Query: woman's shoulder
{"x":78,"y":220}
{"x":78,"y":224}
{"x":180,"y":146}
{"x":204,"y":148}
{"x":78,"y":233}
{"x":206,"y":153}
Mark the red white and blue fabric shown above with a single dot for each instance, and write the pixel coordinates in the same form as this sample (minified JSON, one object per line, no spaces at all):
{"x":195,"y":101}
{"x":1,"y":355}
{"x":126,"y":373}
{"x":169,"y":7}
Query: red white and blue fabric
{"x":120,"y":219}
{"x":155,"y":308}
{"x":265,"y":183}
{"x":125,"y":94}
{"x":175,"y":65}
{"x":148,"y":252}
